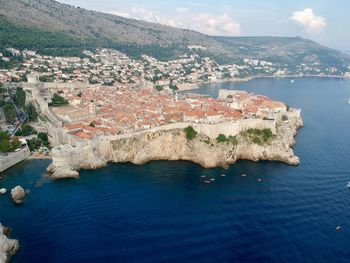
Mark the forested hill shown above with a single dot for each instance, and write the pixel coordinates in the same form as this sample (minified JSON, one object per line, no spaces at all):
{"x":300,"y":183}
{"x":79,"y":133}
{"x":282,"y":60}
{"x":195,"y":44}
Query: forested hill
{"x":54,"y":28}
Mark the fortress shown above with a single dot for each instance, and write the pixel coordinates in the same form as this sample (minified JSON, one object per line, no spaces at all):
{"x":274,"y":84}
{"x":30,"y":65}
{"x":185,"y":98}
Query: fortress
{"x":235,"y":112}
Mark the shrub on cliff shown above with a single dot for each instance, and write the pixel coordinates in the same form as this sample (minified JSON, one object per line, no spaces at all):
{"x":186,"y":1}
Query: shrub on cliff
{"x":221,"y":138}
{"x":233,"y":140}
{"x":257,"y":140}
{"x":190,"y":133}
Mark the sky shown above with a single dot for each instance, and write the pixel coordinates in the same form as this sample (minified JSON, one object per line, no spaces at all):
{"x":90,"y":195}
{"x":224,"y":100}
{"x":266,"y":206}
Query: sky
{"x":324,"y":21}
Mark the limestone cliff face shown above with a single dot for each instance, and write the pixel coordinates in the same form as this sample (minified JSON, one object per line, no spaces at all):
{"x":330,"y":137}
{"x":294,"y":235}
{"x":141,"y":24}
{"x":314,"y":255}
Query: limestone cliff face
{"x":8,"y":247}
{"x":173,"y":145}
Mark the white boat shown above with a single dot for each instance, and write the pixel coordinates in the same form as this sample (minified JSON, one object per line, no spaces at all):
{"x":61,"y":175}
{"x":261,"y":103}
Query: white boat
{"x":349,"y":101}
{"x":292,"y":81}
{"x":348,"y":185}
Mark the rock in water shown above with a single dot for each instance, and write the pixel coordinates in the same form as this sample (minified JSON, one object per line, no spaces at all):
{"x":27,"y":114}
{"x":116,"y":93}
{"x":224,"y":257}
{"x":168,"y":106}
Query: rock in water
{"x":64,"y":173}
{"x":8,"y":247}
{"x":18,"y":194}
{"x":3,"y":191}
{"x":51,"y":169}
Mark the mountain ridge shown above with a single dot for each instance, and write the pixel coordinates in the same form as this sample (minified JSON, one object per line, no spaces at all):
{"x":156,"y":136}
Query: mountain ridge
{"x":81,"y":28}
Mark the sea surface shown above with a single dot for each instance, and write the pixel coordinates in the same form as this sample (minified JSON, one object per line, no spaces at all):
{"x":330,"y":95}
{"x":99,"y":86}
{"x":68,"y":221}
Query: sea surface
{"x":164,"y":212}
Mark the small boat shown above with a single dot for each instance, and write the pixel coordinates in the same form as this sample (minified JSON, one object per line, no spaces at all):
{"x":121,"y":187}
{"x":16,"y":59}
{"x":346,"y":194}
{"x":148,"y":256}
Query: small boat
{"x":349,"y":101}
{"x":338,"y":228}
{"x":292,"y":81}
{"x":203,"y":176}
{"x":212,"y":180}
{"x":348,"y":185}
{"x":223,"y":175}
{"x":243,"y":175}
{"x":207,"y":182}
{"x":259,"y":180}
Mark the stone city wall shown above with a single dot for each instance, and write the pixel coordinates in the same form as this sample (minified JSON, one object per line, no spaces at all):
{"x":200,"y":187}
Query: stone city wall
{"x":11,"y":159}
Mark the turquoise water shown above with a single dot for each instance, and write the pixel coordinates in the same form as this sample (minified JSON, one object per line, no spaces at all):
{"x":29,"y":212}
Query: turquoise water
{"x":164,"y":212}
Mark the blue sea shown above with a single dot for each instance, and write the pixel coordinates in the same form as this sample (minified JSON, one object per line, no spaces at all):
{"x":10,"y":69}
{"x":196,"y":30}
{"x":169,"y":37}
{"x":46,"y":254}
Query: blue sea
{"x":164,"y":212}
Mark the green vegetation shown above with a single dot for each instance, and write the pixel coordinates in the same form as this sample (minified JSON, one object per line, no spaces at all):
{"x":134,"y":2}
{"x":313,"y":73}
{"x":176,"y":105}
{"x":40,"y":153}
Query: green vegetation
{"x":7,"y":144}
{"x":257,"y":140}
{"x":46,"y":79}
{"x":57,"y":101}
{"x":284,"y":118}
{"x":43,"y":136}
{"x":190,"y":133}
{"x":10,"y":112}
{"x":20,"y":98}
{"x":26,"y":130}
{"x":159,"y":88}
{"x":207,"y":141}
{"x":233,"y":140}
{"x":45,"y":42}
{"x":223,"y":139}
{"x":34,"y":144}
{"x":31,"y":112}
{"x":93,"y":81}
{"x":258,"y":136}
{"x":172,"y":86}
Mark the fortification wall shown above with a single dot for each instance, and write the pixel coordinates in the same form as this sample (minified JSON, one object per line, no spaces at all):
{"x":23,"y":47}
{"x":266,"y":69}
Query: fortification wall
{"x":211,"y":130}
{"x":14,"y":158}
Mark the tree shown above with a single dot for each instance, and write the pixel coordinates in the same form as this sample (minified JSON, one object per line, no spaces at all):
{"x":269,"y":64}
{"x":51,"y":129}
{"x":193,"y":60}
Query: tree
{"x":4,"y":135}
{"x":5,"y":146}
{"x":31,"y":112}
{"x":15,"y":144}
{"x":267,"y":133}
{"x":57,"y":101}
{"x":46,"y":79}
{"x":159,"y":87}
{"x":26,"y":130}
{"x":43,"y":136}
{"x":10,"y":112}
{"x":34,"y":144}
{"x":20,"y":98}
{"x":190,"y":133}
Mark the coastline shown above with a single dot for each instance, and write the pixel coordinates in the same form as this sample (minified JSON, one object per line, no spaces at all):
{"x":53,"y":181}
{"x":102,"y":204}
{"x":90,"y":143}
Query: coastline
{"x":172,"y":145}
{"x":194,"y":86}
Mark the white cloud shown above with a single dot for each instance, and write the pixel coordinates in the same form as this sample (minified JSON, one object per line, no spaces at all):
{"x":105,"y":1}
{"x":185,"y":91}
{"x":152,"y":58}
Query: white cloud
{"x":216,"y":25}
{"x":182,"y":10}
{"x":147,"y":15}
{"x":309,"y":21}
{"x":206,"y":23}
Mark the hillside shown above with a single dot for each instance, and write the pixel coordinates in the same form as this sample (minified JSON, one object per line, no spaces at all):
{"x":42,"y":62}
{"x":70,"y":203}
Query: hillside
{"x":53,"y":28}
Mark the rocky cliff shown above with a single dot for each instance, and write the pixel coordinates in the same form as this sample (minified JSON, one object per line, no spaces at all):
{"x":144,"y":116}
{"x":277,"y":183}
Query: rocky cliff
{"x":174,"y":145}
{"x":8,"y":247}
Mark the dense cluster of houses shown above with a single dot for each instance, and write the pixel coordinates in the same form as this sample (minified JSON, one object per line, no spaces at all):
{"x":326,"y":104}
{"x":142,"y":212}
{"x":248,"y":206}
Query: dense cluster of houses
{"x":110,"y":67}
{"x":102,"y":110}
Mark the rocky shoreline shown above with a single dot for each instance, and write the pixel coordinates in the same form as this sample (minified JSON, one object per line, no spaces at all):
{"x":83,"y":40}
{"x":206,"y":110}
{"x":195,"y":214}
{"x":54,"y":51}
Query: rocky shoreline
{"x":173,"y":145}
{"x":8,"y":247}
